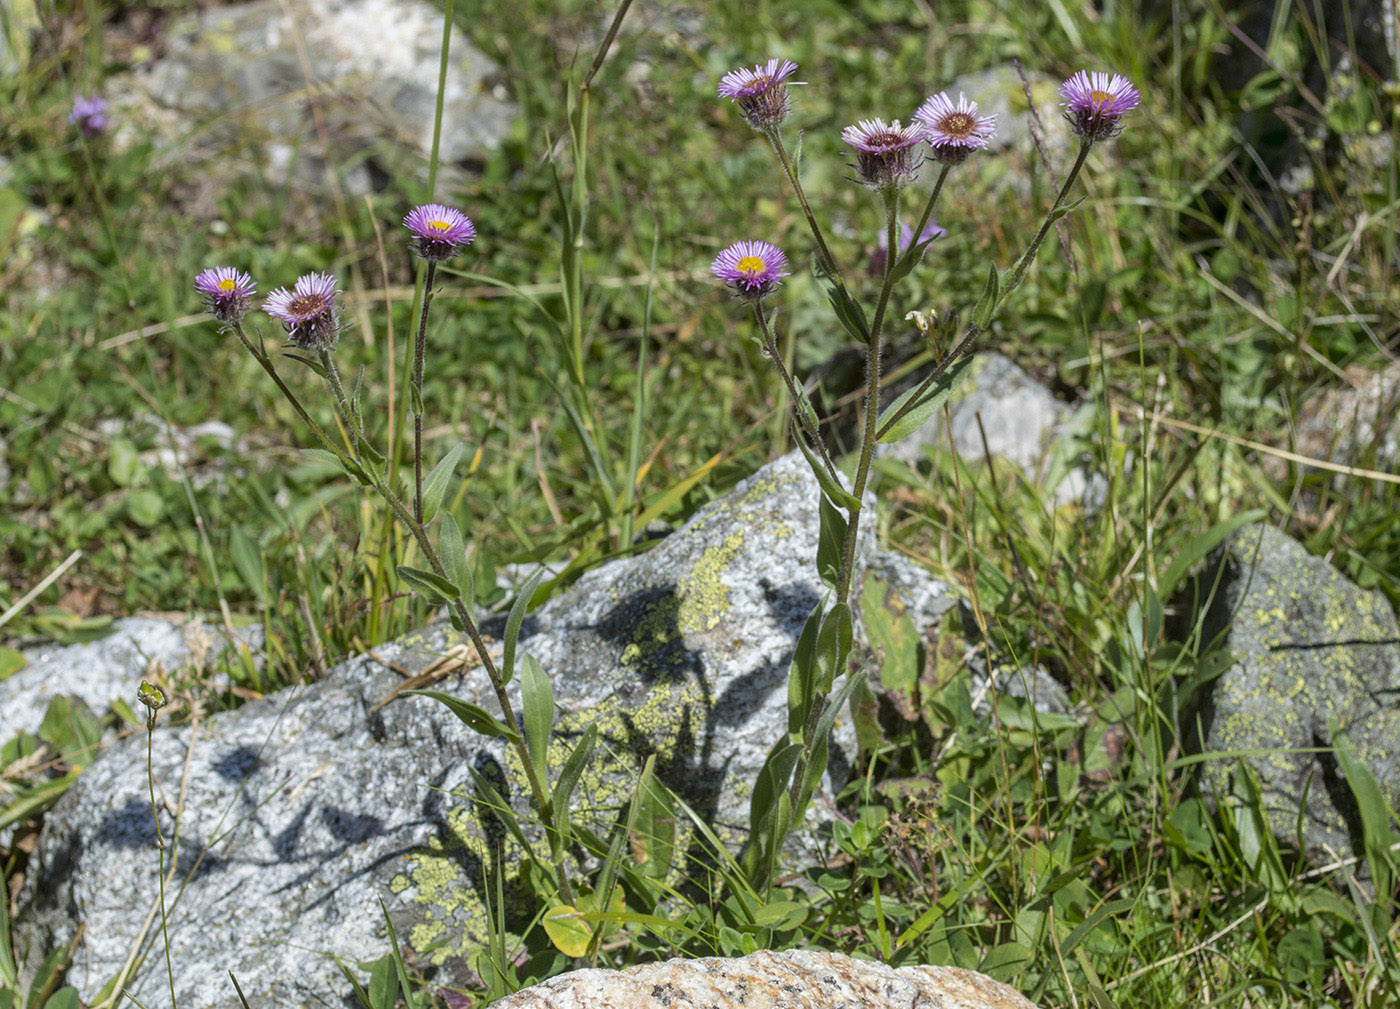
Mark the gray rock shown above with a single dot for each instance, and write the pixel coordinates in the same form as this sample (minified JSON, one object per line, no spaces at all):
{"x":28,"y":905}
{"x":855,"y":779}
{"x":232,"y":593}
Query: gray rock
{"x":255,"y":71}
{"x":1312,"y":651}
{"x":1022,"y":419}
{"x":301,"y":811}
{"x":811,"y":979}
{"x":1353,"y":425}
{"x":1033,"y":682}
{"x":111,"y":668}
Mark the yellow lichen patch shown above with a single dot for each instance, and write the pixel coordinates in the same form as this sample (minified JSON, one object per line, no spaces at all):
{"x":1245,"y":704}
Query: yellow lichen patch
{"x":703,"y":597}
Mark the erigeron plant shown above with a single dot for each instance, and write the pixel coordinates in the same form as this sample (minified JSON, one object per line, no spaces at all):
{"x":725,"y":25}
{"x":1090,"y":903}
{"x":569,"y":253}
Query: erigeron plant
{"x":888,"y":159}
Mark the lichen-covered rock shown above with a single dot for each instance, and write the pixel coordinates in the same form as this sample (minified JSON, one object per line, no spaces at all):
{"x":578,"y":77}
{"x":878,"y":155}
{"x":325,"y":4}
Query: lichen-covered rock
{"x":266,"y":70}
{"x":809,"y":979}
{"x":110,"y":668}
{"x":300,"y":812}
{"x":1354,"y":425}
{"x":1312,"y":652}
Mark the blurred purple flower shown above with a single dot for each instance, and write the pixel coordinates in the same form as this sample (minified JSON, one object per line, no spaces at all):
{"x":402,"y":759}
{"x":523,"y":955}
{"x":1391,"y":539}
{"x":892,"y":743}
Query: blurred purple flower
{"x":760,"y":93}
{"x":89,"y":115}
{"x":308,"y":312}
{"x":954,"y":131}
{"x":885,"y":152}
{"x":752,"y":270}
{"x":439,"y":232}
{"x":226,"y":292}
{"x":1095,"y":103}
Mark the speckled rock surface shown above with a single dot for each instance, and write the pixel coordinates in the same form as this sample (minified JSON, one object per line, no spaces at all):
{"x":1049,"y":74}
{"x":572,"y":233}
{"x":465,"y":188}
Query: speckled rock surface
{"x":808,"y":979}
{"x":256,"y":71}
{"x":305,"y":809}
{"x":1311,"y":650}
{"x":110,"y":668}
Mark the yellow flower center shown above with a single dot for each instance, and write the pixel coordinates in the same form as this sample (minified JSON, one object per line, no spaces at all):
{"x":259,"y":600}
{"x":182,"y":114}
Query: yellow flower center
{"x":959,"y":124}
{"x":1099,"y":97}
{"x":227,"y":284}
{"x":439,"y":225}
{"x":751,"y":265}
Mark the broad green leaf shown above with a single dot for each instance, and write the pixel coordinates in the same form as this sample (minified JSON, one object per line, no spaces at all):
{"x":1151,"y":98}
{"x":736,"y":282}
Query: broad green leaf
{"x":473,"y":716}
{"x":838,"y":494}
{"x":123,"y":464}
{"x":518,"y":610}
{"x":65,"y":998}
{"x":11,"y":662}
{"x":1199,"y":547}
{"x":248,"y":560}
{"x":383,"y":984}
{"x":833,"y":646}
{"x":431,"y":586}
{"x":847,"y":310}
{"x":987,"y":303}
{"x":145,"y":508}
{"x":910,"y":413}
{"x":436,"y":483}
{"x":568,"y":778}
{"x":537,"y":700}
{"x":773,"y":780}
{"x":1376,"y":833}
{"x":897,"y":643}
{"x":831,"y":539}
{"x":453,"y":552}
{"x":569,"y":933}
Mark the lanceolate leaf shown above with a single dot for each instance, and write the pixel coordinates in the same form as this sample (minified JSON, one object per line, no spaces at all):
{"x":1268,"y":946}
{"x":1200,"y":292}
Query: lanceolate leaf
{"x":915,"y":413}
{"x":475,"y":717}
{"x":436,"y":483}
{"x":431,"y":586}
{"x":513,"y":622}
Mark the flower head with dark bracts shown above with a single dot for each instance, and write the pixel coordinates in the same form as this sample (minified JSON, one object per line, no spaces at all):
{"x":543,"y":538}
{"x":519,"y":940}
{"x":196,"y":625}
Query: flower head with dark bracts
{"x":752,"y":270}
{"x":931,"y":231}
{"x":885,"y":152}
{"x":1095,"y":103}
{"x":308,"y":312}
{"x":439,"y":232}
{"x":226,"y":292}
{"x":760,"y":93}
{"x":954,"y":131}
{"x":89,"y":115}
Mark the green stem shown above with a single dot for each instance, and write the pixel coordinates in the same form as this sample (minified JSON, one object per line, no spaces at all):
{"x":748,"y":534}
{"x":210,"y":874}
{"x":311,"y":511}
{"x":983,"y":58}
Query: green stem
{"x":928,"y":210}
{"x":291,"y":397}
{"x":824,"y":256}
{"x":160,"y":854}
{"x":872,"y":399}
{"x":1017,"y":275}
{"x":420,"y":353}
{"x":338,"y":390}
{"x":804,"y":421}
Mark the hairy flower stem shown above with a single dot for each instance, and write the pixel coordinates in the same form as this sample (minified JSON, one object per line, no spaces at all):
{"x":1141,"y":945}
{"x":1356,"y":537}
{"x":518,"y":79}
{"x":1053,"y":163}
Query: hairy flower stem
{"x":338,"y":390}
{"x":824,"y":256}
{"x":1018,"y":273}
{"x":160,"y":854}
{"x":541,"y":796}
{"x":872,"y":399}
{"x":928,"y":211}
{"x":420,"y":353}
{"x":800,"y":414}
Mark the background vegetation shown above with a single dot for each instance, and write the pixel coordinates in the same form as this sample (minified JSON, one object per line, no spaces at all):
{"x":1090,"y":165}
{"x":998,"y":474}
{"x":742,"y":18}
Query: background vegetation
{"x":1203,"y":303}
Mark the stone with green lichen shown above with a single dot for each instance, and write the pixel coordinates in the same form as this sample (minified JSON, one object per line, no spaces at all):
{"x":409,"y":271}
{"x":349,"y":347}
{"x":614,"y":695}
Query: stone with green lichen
{"x":1312,"y":651}
{"x":302,"y":811}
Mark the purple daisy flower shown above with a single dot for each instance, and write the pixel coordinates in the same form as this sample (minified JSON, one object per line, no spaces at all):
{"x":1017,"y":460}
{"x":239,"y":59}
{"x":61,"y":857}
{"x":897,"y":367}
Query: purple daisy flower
{"x":1095,"y":103}
{"x":931,"y":231}
{"x":89,"y":115}
{"x":752,"y":269}
{"x":885,"y":152}
{"x":226,"y":292}
{"x":439,"y":232}
{"x":308,"y":312}
{"x":760,"y":93}
{"x":954,"y":131}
